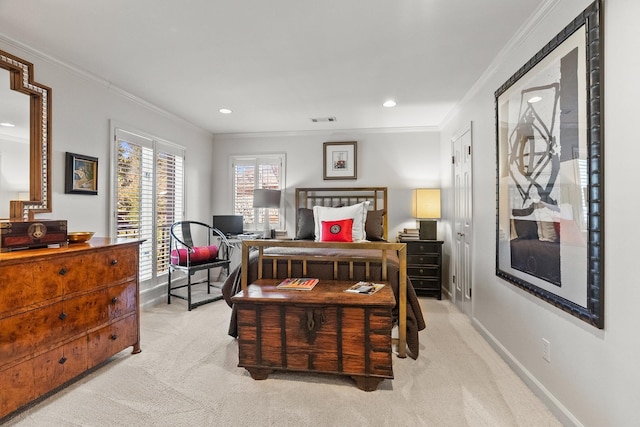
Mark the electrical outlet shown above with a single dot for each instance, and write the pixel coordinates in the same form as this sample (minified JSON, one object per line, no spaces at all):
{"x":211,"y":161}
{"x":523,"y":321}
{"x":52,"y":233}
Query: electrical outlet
{"x":546,"y":350}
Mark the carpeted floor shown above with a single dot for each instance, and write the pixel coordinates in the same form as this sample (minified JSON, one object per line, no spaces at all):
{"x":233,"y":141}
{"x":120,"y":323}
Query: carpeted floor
{"x":187,"y":375}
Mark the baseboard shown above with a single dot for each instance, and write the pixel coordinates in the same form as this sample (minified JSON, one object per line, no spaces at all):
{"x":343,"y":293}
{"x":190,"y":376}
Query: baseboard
{"x":153,"y":296}
{"x":555,"y":406}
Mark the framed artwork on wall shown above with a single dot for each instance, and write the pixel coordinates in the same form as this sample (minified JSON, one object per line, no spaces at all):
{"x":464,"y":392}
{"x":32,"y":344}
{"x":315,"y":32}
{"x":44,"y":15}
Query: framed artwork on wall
{"x":550,"y":206}
{"x":81,"y":174}
{"x":340,"y":160}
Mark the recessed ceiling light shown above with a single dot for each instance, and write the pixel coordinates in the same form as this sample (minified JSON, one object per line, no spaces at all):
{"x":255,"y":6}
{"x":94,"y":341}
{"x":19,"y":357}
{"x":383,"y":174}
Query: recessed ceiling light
{"x":8,"y":125}
{"x":390,"y":103}
{"x":225,"y":111}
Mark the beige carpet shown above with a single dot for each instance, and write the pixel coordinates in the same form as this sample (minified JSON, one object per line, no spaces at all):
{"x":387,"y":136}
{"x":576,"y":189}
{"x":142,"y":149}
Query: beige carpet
{"x":186,"y":375}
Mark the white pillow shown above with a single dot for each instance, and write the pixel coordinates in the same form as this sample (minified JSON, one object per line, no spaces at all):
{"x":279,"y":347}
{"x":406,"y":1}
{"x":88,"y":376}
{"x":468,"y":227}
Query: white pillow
{"x":357,"y":212}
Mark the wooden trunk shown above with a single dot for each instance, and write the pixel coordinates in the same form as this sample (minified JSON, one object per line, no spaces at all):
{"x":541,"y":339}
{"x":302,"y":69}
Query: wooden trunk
{"x":62,"y":312}
{"x":323,"y":330}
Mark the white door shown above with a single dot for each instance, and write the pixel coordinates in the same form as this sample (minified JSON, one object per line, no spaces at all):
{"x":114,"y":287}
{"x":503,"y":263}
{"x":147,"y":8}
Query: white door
{"x":462,"y":223}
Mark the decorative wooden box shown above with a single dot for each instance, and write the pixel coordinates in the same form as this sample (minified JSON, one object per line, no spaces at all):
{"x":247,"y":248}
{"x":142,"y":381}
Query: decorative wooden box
{"x":16,"y":235}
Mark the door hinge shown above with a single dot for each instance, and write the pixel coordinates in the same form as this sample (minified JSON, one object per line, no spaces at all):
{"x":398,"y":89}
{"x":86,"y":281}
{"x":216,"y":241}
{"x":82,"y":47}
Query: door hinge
{"x":469,"y":149}
{"x":453,"y":160}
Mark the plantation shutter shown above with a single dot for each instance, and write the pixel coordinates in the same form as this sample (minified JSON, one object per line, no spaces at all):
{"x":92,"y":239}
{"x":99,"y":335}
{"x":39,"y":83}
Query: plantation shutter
{"x":250,"y":173}
{"x":169,"y":198}
{"x":149,"y":196}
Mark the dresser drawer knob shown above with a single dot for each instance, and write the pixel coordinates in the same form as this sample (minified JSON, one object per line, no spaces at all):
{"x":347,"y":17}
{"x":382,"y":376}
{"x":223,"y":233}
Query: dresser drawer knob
{"x":114,"y":300}
{"x":62,"y":316}
{"x":113,"y":337}
{"x":62,"y":360}
{"x":62,"y":271}
{"x":114,"y":261}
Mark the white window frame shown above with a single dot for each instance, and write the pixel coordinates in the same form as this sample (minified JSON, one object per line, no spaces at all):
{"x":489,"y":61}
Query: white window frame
{"x":150,"y":276}
{"x":256,"y":160}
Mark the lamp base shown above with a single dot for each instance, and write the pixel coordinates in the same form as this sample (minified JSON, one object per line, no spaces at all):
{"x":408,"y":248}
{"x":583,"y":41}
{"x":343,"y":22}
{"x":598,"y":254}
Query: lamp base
{"x":428,"y":230}
{"x":266,"y":233}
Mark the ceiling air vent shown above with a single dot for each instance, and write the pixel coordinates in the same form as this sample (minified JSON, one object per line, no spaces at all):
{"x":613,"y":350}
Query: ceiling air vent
{"x":323,"y":119}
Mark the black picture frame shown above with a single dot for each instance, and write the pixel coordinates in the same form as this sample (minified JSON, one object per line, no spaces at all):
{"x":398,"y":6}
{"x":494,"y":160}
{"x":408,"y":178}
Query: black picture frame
{"x":340,"y":160}
{"x":81,"y":174}
{"x":550,"y":200}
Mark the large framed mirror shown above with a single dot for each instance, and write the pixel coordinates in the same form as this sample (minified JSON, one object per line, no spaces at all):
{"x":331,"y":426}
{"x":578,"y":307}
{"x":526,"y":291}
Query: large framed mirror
{"x":25,"y":114}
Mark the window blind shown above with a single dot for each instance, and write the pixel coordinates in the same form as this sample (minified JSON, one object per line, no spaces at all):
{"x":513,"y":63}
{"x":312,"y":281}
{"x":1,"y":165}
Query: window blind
{"x":149,"y":196}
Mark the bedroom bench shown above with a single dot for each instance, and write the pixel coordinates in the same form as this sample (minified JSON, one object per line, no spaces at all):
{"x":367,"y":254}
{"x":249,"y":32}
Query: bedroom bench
{"x":326,"y":329}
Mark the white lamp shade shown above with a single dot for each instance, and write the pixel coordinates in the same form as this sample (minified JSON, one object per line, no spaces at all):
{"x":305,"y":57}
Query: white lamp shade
{"x":263,"y":198}
{"x":427,"y":203}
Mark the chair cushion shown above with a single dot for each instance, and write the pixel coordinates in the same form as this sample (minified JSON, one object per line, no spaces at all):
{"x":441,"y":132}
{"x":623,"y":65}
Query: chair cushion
{"x":200,"y":254}
{"x":337,"y":231}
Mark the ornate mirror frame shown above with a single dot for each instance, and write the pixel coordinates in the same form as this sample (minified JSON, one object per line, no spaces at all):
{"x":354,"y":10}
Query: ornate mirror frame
{"x":21,"y":80}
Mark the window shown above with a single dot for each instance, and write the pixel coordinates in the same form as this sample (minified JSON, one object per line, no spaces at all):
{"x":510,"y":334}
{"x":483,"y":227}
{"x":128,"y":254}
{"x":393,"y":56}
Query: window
{"x":250,"y":172}
{"x":149,"y":196}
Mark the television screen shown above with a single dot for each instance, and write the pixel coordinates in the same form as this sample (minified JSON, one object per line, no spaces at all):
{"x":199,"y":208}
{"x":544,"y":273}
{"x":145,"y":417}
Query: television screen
{"x":229,"y":225}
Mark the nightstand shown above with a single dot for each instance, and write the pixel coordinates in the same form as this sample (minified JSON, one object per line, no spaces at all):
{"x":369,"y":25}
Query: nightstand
{"x":424,"y":265}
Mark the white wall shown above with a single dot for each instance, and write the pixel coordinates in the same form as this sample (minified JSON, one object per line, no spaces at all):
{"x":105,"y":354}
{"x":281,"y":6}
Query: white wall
{"x":400,"y":161}
{"x":594,"y":374}
{"x":82,"y":108}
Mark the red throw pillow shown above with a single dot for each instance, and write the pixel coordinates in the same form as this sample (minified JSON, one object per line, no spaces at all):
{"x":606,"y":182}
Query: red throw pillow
{"x":199,"y":255}
{"x":337,"y":231}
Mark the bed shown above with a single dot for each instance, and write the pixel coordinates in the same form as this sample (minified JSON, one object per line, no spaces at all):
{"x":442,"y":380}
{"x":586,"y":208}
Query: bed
{"x":319,"y":257}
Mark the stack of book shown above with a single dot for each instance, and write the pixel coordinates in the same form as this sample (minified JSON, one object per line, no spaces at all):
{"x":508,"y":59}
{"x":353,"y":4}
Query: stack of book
{"x":409,"y":234}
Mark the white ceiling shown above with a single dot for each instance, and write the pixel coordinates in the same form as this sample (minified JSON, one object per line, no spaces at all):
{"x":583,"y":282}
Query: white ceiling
{"x":277,"y":63}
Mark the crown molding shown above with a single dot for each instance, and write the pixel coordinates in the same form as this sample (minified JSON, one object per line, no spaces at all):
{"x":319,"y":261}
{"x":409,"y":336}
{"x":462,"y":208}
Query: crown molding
{"x":518,"y":38}
{"x":324,"y":132}
{"x":99,"y":81}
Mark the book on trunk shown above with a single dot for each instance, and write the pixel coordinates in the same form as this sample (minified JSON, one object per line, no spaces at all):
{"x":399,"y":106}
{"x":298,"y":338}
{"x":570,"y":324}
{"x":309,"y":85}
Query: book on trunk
{"x":298,"y":284}
{"x":366,"y":288}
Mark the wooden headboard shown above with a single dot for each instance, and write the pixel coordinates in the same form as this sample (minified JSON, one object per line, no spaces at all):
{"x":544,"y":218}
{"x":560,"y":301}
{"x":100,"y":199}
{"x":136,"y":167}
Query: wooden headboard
{"x":343,"y":196}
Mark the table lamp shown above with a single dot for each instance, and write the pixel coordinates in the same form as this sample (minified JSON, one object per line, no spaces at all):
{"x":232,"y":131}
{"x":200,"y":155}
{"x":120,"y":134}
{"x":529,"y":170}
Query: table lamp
{"x":266,"y":199}
{"x":427,"y":211}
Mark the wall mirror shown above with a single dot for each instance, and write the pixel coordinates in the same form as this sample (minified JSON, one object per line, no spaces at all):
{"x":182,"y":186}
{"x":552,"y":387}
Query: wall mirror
{"x":24,"y":147}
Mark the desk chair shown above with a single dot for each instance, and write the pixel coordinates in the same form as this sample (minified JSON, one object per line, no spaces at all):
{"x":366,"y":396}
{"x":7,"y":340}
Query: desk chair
{"x":190,"y":251}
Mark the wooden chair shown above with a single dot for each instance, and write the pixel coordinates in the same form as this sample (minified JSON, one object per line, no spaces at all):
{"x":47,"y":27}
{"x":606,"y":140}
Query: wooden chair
{"x":190,"y":251}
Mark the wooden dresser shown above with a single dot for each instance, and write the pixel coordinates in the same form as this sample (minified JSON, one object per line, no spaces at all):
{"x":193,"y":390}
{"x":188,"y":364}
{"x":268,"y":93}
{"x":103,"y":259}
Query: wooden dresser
{"x":64,"y":311}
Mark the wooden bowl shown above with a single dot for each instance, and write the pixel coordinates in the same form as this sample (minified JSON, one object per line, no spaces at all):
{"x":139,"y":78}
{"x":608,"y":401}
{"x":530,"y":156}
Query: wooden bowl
{"x":79,"y":236}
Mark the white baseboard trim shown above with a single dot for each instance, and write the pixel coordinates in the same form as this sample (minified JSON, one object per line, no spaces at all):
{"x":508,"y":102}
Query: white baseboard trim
{"x":555,"y":406}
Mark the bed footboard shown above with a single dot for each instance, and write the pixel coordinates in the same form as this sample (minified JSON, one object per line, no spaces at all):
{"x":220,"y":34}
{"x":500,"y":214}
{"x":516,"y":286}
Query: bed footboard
{"x":342,"y":261}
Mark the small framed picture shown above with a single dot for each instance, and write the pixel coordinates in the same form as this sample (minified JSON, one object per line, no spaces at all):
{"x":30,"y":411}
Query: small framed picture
{"x":81,"y":175}
{"x":340,"y":160}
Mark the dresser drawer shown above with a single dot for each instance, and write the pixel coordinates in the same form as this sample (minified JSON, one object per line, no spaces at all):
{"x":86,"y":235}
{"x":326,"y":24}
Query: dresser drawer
{"x":17,"y":387}
{"x":433,"y":259}
{"x":99,"y":269}
{"x":23,"y":285}
{"x":426,"y":283}
{"x":60,"y":365}
{"x":423,"y":248}
{"x":24,"y":382}
{"x":105,"y":342}
{"x":424,"y":271}
{"x":22,"y":334}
